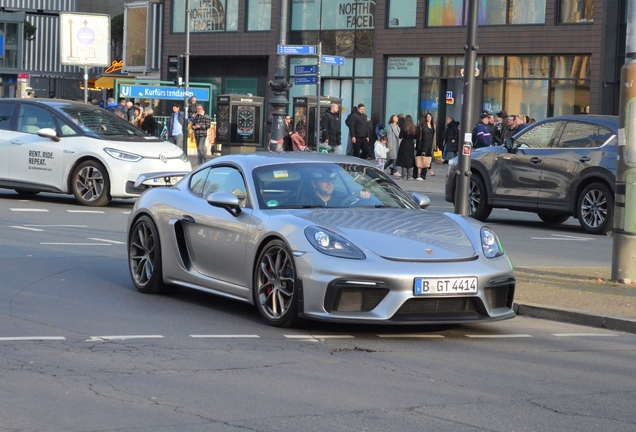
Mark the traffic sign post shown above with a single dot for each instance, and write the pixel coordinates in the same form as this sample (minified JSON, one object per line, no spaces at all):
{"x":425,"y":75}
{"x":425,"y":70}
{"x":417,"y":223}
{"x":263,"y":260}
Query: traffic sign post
{"x":313,"y":79}
{"x":297,"y":49}
{"x":303,"y":70}
{"x":333,"y":60}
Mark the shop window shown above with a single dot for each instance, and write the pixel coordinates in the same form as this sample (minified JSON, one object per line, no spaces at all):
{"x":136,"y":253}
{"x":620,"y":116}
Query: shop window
{"x":452,"y":66}
{"x":429,"y":98}
{"x":527,"y":97}
{"x":431,"y":67}
{"x":401,"y":97}
{"x":445,"y":13}
{"x":206,"y":16}
{"x":362,"y":93}
{"x":402,"y":13}
{"x":364,"y":67}
{"x":528,"y":67}
{"x":568,"y":97}
{"x":403,"y":67}
{"x":493,"y":95}
{"x":526,"y":12}
{"x":571,"y":67}
{"x":259,"y":15}
{"x":576,"y":11}
{"x":493,"y":67}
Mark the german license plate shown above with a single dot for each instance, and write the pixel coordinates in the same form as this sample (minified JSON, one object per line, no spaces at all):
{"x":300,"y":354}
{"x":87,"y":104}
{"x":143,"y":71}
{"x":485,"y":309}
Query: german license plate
{"x":166,"y":180}
{"x":441,"y":286}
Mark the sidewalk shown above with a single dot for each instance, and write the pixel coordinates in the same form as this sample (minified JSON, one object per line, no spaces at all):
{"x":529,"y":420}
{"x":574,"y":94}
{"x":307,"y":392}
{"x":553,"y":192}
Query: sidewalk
{"x":574,"y":295}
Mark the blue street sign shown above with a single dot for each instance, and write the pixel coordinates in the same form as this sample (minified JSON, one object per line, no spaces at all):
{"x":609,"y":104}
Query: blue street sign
{"x":297,"y":49}
{"x":1,"y":46}
{"x":153,"y":92}
{"x":305,"y":80}
{"x":300,"y":70}
{"x":333,"y":60}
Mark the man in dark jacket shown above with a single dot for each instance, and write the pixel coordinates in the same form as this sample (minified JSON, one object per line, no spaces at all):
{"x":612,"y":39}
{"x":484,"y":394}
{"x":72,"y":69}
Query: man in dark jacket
{"x":359,"y":130}
{"x":177,"y":128}
{"x":451,"y":139}
{"x":482,"y":134}
{"x":330,"y":125}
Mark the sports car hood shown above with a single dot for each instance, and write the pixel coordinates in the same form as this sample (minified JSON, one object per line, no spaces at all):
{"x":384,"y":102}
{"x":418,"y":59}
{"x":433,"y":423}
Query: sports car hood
{"x":398,"y":234}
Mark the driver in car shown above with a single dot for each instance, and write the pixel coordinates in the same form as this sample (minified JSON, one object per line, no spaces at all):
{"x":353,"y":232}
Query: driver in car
{"x":323,"y":192}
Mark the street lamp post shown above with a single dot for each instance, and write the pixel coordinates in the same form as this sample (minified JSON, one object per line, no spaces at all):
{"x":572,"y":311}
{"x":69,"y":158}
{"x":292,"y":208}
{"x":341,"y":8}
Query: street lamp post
{"x":280,"y":85}
{"x":186,"y":87}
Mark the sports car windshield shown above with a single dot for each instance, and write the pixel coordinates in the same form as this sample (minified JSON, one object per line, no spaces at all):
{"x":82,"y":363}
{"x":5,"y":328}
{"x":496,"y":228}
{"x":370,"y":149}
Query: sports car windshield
{"x":310,"y":185}
{"x":98,"y":121}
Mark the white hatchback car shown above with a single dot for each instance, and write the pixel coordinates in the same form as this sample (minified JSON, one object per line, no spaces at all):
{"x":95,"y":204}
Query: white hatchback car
{"x":69,"y":147}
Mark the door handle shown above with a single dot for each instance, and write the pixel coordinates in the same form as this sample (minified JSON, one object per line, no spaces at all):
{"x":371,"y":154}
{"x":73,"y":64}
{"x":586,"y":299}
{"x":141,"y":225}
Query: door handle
{"x":187,"y":219}
{"x":16,"y":142}
{"x":584,"y":159}
{"x":536,"y":160}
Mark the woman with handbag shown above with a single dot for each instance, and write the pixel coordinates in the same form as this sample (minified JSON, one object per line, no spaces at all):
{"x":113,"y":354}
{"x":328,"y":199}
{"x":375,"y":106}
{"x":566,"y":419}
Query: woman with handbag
{"x":426,"y":140}
{"x":406,"y":152}
{"x":393,"y":143}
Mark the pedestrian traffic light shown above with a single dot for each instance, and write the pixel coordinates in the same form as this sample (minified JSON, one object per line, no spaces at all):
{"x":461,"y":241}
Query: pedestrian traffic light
{"x":175,"y":69}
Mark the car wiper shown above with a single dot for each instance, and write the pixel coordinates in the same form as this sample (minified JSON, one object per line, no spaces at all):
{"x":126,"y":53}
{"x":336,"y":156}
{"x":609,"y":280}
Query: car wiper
{"x":297,"y":207}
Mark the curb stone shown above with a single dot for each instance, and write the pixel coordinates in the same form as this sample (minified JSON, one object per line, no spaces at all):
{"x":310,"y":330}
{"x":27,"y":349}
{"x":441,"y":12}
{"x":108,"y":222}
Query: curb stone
{"x":576,"y":317}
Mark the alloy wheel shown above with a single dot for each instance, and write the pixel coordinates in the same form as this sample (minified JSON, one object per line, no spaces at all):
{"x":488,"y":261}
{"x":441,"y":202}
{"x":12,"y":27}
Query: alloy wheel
{"x":275,"y":282}
{"x":142,"y":253}
{"x":594,"y":208}
{"x":89,"y":183}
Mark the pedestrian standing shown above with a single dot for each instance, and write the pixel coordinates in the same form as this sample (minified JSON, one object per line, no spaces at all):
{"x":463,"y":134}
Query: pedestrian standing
{"x":481,"y":133}
{"x":406,"y":152}
{"x":176,"y":126}
{"x":426,"y":139}
{"x":289,"y":130}
{"x":200,"y":126}
{"x":349,"y":122}
{"x":359,"y":130}
{"x":380,"y":149}
{"x":137,"y":119}
{"x":393,"y":143}
{"x":330,"y":125}
{"x":451,"y":139}
{"x":149,"y":124}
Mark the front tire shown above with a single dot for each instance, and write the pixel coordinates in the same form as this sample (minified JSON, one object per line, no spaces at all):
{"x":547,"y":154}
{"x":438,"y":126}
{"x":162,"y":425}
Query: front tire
{"x":595,"y":209}
{"x":144,"y":257}
{"x":90,"y":184}
{"x":553,"y":219}
{"x":478,"y":199}
{"x":275,"y":292}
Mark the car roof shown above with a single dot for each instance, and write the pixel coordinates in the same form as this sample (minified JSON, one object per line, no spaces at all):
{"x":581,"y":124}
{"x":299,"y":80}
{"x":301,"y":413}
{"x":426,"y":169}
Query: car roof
{"x":608,"y":121}
{"x":261,"y":158}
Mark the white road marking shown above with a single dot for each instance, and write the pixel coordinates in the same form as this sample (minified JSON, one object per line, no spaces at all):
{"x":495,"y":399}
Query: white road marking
{"x":57,"y":226}
{"x":318,"y":337}
{"x":126,"y":212}
{"x":102,"y":338}
{"x":225,"y":336}
{"x":108,"y":241}
{"x":32,"y":338}
{"x":26,"y":228}
{"x":582,"y":334}
{"x":85,"y":211}
{"x":501,"y":336}
{"x":75,"y":244}
{"x":29,"y":210}
{"x":563,"y":237}
{"x":419,"y":336}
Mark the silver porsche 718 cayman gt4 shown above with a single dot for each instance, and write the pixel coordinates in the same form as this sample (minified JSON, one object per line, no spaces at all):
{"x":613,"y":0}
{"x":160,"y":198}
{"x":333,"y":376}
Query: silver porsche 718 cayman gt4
{"x":320,"y":237}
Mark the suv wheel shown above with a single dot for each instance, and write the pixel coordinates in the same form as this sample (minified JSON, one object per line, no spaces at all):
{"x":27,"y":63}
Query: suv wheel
{"x":478,"y":199}
{"x":595,"y":209}
{"x":90,"y":184}
{"x":553,"y":218}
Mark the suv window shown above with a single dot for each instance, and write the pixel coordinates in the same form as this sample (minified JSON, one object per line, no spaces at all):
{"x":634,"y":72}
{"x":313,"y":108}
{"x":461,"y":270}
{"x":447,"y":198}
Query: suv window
{"x":32,"y":118}
{"x":604,"y":135}
{"x":580,"y":135}
{"x":7,"y":110}
{"x":538,"y":136}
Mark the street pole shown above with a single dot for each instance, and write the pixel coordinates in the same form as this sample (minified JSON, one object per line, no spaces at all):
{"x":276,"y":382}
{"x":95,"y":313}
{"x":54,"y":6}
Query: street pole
{"x":463,"y":157}
{"x":318,"y":92}
{"x":624,"y":240}
{"x":85,"y":84}
{"x":280,"y":85}
{"x":186,"y":135}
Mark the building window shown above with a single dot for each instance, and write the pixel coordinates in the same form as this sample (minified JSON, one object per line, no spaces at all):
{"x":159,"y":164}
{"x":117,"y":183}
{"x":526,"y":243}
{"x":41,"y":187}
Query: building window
{"x":491,"y":12}
{"x":259,"y":15}
{"x":10,"y":32}
{"x":402,"y":13}
{"x":576,"y":11}
{"x":526,"y":12}
{"x":333,"y":15}
{"x":445,"y":13}
{"x":206,"y":16}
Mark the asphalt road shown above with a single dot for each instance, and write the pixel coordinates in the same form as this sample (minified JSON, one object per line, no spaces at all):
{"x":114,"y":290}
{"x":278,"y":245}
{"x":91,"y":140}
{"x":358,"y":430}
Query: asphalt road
{"x":82,"y":350}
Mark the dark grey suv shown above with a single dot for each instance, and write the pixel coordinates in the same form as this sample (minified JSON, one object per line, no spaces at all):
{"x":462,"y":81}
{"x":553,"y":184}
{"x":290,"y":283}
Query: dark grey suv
{"x":558,"y":167}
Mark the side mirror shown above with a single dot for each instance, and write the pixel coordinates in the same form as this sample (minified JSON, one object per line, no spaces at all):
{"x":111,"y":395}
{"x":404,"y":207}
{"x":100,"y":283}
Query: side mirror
{"x":421,"y":200}
{"x":48,"y":133}
{"x":226,"y":200}
{"x":508,"y":143}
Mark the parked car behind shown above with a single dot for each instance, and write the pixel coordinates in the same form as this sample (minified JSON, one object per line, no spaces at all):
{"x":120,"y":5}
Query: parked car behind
{"x":68,"y":147}
{"x":558,"y":167}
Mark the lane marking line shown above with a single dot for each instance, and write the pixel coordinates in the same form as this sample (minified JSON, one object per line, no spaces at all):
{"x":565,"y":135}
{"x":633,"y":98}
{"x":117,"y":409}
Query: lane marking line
{"x":86,"y":211}
{"x":503,"y":336}
{"x":29,"y":210}
{"x":25,"y":228}
{"x":57,"y":226}
{"x":563,"y":237}
{"x":108,"y":241}
{"x":419,"y":336}
{"x":102,"y":338}
{"x":220,"y":336}
{"x":75,"y":244}
{"x":317,"y":337}
{"x":582,"y":334}
{"x":32,"y":338}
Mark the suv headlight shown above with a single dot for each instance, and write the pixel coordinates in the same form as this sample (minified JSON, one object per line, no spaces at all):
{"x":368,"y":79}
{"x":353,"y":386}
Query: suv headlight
{"x":332,"y":244}
{"x":123,"y":156}
{"x":490,"y":243}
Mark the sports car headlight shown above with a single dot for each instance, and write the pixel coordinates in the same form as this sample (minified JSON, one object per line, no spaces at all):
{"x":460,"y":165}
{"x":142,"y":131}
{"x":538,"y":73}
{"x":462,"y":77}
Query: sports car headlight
{"x":332,"y":244}
{"x":490,"y":243}
{"x":123,"y":156}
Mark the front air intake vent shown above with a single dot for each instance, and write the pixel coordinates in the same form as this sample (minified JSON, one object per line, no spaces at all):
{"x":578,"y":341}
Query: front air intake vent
{"x":354,"y":296}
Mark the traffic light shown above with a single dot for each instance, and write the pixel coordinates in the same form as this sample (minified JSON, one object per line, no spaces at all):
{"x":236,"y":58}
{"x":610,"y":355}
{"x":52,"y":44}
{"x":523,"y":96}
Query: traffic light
{"x":175,"y":69}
